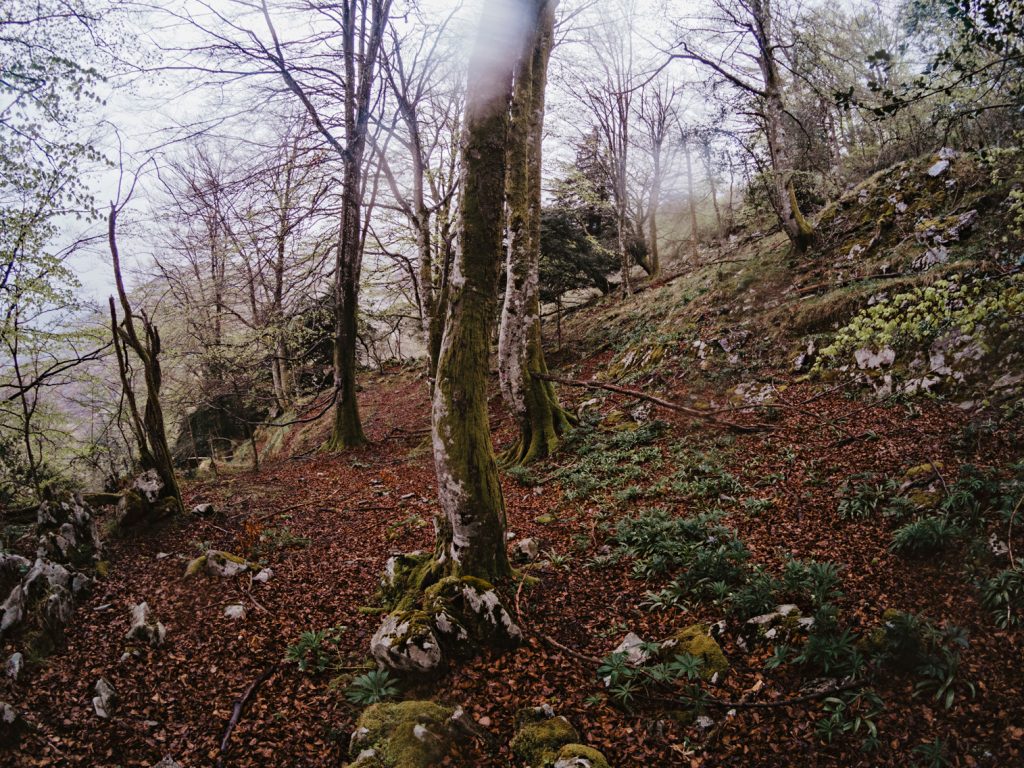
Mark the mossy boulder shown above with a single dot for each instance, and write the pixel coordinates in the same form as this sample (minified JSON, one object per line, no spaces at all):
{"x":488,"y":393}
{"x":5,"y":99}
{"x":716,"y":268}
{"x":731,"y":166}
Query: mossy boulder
{"x":696,"y":640}
{"x":406,"y":734}
{"x":580,"y":756}
{"x":540,"y":736}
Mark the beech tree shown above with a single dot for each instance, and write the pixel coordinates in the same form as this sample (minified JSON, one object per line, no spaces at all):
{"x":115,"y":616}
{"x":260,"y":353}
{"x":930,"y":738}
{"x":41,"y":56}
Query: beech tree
{"x":531,"y":399}
{"x":471,"y":529}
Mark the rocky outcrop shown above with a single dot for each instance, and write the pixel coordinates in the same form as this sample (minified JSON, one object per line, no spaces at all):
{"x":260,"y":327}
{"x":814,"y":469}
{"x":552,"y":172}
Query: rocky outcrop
{"x":145,"y":501}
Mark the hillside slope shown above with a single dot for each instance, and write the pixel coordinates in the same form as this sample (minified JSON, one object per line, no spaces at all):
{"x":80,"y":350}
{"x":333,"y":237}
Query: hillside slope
{"x":876,"y":511}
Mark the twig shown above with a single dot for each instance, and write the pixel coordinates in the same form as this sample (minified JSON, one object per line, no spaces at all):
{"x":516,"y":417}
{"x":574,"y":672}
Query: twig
{"x":243,"y":700}
{"x":696,"y":413}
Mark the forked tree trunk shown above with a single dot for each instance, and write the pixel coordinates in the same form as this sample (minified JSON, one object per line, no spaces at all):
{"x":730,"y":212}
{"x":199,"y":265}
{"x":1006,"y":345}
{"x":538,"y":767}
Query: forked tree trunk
{"x":471,"y":529}
{"x":147,"y":426}
{"x":532,"y":401}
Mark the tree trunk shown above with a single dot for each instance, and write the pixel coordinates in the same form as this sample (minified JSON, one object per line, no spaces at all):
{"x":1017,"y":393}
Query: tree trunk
{"x":694,"y":241}
{"x":471,"y":529}
{"x":654,"y":201}
{"x":149,"y":428}
{"x":532,"y":401}
{"x":796,"y":226}
{"x":347,"y":431}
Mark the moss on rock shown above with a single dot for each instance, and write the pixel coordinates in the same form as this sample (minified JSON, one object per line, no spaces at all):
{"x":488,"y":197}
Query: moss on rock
{"x":406,"y":734}
{"x":580,"y":756}
{"x":695,"y":640}
{"x":540,"y":737}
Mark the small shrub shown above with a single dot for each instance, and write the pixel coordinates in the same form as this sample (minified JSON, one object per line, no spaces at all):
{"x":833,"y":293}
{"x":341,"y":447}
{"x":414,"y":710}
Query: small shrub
{"x":373,"y":687}
{"x":864,"y":495}
{"x":1003,"y":596}
{"x":312,"y":652}
{"x":924,"y":536}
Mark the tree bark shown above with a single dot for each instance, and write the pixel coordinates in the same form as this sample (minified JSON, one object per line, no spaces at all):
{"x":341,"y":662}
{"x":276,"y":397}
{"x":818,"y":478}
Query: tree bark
{"x":694,"y":240}
{"x":471,"y":528}
{"x":531,"y":400}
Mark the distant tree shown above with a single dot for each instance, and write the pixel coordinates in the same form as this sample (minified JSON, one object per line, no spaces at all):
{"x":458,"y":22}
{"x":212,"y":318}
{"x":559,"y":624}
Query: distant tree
{"x":742,"y":49}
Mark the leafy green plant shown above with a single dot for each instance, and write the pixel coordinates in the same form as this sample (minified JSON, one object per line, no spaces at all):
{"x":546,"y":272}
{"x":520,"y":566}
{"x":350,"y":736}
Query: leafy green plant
{"x":373,"y":687}
{"x":1003,"y":596}
{"x":864,"y":495}
{"x":851,"y":714}
{"x":923,"y":536}
{"x":813,"y":581}
{"x":923,"y":313}
{"x":757,"y":507}
{"x":829,"y":649}
{"x":933,"y":753}
{"x":626,"y":681}
{"x":312,"y":652}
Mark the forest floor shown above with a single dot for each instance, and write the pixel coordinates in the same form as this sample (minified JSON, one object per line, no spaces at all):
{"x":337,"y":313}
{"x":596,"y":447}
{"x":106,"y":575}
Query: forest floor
{"x":327,"y":523}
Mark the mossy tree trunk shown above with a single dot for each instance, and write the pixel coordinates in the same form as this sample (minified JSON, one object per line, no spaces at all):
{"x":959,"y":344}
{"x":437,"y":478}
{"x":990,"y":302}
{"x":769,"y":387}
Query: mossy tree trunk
{"x":471,"y":527}
{"x":795,"y":224}
{"x":532,"y":401}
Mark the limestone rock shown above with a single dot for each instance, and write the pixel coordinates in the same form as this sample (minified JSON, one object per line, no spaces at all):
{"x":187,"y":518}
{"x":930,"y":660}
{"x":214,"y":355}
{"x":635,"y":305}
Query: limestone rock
{"x":633,"y":646}
{"x":406,"y":734}
{"x":217,"y":563}
{"x":167,"y":762}
{"x":67,"y":532}
{"x":405,"y":642}
{"x":13,"y":667}
{"x":265,"y":575}
{"x":234,"y":612}
{"x":143,"y":629}
{"x":868,"y":359}
{"x":526,"y":550}
{"x":580,"y":756}
{"x":105,"y":700}
{"x":10,"y":724}
{"x":144,"y":501}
